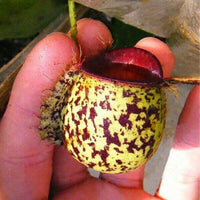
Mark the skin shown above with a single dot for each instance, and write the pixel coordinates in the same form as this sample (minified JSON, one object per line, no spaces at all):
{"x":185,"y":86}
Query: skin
{"x":34,"y":169}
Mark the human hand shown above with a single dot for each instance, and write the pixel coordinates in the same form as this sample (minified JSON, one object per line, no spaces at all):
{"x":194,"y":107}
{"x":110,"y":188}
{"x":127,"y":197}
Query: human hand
{"x":34,"y":169}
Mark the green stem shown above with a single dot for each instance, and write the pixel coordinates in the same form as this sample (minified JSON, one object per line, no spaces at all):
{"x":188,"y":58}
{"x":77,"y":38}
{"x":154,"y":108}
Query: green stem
{"x":72,"y":18}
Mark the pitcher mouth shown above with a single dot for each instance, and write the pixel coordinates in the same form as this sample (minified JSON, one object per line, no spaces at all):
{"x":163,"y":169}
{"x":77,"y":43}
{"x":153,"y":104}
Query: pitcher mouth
{"x":131,"y":66}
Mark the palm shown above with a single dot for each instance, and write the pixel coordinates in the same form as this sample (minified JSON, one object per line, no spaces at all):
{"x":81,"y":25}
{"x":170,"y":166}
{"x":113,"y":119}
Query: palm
{"x":71,"y":180}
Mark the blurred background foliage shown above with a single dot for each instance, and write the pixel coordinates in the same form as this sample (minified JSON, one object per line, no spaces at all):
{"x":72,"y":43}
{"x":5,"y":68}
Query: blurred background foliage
{"x":22,"y":18}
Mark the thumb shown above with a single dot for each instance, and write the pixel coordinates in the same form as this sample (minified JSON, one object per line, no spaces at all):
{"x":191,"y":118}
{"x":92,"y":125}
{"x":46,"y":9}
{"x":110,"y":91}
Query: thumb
{"x":26,"y":161}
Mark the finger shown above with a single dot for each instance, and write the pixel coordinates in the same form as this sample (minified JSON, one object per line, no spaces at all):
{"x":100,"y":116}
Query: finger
{"x":166,"y":58}
{"x":26,"y":161}
{"x":161,"y":51}
{"x":181,"y":176}
{"x":94,"y":38}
